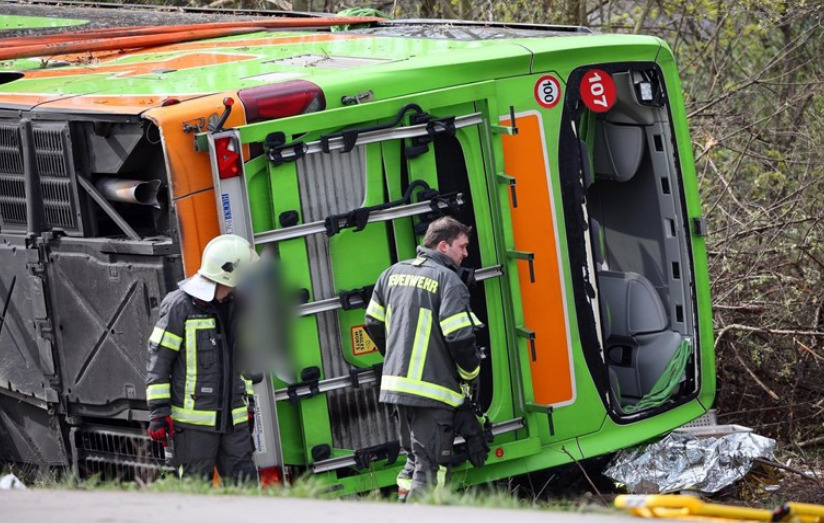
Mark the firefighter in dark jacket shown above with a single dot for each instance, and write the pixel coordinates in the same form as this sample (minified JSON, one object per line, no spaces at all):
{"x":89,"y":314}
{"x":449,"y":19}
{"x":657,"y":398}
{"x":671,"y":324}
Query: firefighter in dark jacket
{"x":193,"y":386}
{"x":420,"y":319}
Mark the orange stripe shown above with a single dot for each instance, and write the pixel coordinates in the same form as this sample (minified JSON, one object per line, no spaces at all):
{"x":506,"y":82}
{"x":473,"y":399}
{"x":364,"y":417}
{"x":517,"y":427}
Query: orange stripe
{"x":534,"y":229}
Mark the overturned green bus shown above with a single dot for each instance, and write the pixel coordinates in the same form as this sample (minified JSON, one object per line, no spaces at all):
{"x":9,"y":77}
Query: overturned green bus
{"x":567,"y":151}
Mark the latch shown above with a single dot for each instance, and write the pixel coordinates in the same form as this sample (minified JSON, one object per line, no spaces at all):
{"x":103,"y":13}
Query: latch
{"x":276,"y":145}
{"x":420,"y":144}
{"x":310,"y":377}
{"x":356,"y":298}
{"x":388,"y":451}
{"x":321,"y":452}
{"x":194,"y":126}
{"x":365,"y":96}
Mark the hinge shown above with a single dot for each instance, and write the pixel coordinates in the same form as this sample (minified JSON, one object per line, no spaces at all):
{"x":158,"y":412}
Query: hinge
{"x":196,"y":125}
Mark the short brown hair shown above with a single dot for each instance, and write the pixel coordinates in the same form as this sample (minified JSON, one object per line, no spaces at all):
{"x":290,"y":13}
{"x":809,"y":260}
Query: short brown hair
{"x":446,"y":229}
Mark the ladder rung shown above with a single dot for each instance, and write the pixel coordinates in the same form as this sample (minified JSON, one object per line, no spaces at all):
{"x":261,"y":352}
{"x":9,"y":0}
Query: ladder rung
{"x":331,"y":304}
{"x":341,"y":382}
{"x":349,"y":461}
{"x":402,"y":211}
{"x":380,"y":135}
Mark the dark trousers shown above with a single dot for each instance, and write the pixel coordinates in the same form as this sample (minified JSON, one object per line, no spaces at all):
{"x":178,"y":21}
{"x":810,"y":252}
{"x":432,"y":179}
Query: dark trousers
{"x":198,"y":452}
{"x":404,"y":479}
{"x":430,"y":436}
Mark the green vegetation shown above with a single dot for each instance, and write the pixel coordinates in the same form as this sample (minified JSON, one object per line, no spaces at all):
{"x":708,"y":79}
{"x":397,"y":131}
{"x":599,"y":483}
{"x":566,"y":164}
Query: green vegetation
{"x":489,"y":496}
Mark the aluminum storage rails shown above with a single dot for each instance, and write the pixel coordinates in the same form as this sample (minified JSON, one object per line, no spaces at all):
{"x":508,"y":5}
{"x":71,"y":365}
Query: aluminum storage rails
{"x":567,"y":151}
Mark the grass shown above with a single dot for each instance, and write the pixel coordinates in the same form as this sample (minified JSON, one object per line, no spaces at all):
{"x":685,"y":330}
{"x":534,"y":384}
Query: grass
{"x":484,"y":496}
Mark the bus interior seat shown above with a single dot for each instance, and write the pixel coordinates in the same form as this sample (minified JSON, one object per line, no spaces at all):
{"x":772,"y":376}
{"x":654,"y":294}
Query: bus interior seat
{"x":620,"y":138}
{"x":618,"y":152}
{"x":637,"y":337}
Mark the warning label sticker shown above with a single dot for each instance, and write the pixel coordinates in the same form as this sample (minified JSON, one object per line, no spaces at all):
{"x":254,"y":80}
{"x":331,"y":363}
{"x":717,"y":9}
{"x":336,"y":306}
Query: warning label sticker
{"x":361,"y":342}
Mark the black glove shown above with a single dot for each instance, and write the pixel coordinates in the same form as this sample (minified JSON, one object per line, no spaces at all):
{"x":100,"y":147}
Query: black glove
{"x":467,"y":276}
{"x":468,"y":426}
{"x":477,"y":449}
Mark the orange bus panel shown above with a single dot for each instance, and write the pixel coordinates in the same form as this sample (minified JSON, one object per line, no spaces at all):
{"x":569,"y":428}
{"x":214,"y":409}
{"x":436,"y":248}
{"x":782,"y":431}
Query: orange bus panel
{"x":190,"y":176}
{"x":544,"y":308}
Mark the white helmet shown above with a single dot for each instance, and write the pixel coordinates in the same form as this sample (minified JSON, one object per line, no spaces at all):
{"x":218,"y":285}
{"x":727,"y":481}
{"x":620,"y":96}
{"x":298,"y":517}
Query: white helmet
{"x":225,"y":260}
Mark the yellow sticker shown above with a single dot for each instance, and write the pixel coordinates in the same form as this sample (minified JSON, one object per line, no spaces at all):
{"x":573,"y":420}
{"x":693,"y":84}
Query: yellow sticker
{"x":361,"y":342}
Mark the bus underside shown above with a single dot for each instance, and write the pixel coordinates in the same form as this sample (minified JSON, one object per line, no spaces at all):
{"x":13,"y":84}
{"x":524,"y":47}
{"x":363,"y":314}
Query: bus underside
{"x":88,"y":251}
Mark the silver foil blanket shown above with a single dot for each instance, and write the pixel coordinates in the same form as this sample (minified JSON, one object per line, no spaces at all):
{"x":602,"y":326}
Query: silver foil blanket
{"x":682,"y":461}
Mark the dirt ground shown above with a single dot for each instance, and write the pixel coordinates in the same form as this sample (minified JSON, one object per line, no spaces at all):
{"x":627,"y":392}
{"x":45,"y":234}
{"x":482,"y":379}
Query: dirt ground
{"x":764,"y":487}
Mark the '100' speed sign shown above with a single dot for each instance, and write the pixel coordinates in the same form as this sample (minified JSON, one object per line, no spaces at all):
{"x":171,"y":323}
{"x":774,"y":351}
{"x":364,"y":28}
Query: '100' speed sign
{"x":548,"y":91}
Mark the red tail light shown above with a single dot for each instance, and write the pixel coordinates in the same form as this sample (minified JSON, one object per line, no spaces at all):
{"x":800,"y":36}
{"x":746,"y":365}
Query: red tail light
{"x":269,"y":102}
{"x":228,"y":157}
{"x":271,"y":476}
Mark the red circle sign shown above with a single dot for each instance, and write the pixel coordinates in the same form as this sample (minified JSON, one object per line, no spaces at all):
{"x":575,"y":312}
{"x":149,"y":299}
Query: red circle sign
{"x":499,"y":453}
{"x":598,"y":90}
{"x":548,"y":91}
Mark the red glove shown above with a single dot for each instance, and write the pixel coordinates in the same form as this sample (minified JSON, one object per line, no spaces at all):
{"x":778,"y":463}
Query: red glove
{"x":251,"y":417}
{"x":161,"y":429}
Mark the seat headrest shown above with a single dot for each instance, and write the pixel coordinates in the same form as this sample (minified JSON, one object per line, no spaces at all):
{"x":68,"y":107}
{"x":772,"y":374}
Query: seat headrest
{"x":633,"y":303}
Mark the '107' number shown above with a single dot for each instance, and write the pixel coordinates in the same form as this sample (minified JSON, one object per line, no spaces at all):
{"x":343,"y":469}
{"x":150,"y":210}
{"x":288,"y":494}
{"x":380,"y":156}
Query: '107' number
{"x":597,"y":90}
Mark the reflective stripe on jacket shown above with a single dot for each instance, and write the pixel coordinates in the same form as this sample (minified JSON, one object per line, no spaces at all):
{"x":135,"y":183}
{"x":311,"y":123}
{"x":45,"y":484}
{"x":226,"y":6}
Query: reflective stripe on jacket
{"x":423,"y":307}
{"x":191,"y":372}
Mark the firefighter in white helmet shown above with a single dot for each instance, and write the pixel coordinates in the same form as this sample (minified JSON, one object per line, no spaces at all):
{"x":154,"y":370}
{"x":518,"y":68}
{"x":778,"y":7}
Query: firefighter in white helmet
{"x":194,"y":388}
